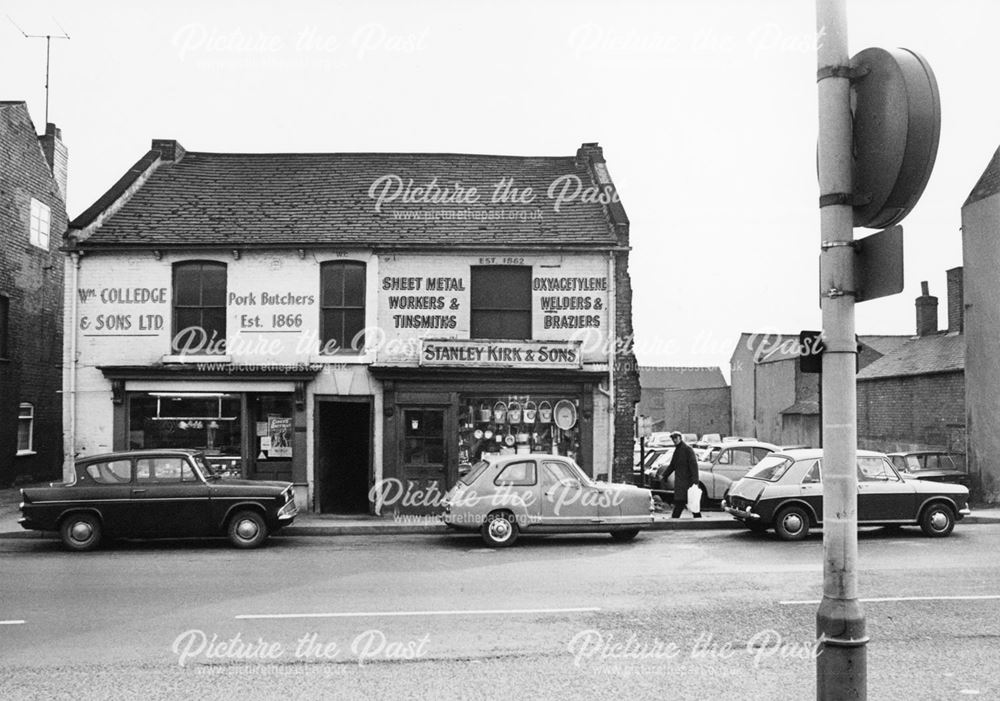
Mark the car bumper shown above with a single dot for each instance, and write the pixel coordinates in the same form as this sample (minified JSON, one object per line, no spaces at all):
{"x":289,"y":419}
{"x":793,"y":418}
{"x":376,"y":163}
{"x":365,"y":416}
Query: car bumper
{"x":29,"y":525}
{"x":741,"y":514}
{"x":962,"y":513}
{"x":287,"y":513}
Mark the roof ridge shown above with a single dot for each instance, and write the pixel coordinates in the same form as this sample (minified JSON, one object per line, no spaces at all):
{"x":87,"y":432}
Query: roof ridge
{"x":417,"y":154}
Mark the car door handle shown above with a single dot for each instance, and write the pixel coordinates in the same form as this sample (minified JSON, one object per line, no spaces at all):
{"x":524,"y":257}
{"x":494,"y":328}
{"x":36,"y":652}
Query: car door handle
{"x":138,"y":491}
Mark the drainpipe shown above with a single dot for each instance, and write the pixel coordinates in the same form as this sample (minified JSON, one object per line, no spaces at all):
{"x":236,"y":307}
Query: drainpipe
{"x":69,"y":397}
{"x":612,"y":362}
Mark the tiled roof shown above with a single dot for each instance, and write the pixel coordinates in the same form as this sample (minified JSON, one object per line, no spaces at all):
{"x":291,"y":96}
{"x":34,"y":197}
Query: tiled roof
{"x":777,"y":347}
{"x":317,"y":198}
{"x":803,"y":406}
{"x":681,"y":377}
{"x":885,"y":344}
{"x":988,"y":183}
{"x":924,"y":355}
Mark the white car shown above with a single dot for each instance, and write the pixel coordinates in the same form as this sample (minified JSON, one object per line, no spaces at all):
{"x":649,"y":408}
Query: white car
{"x":540,"y":493}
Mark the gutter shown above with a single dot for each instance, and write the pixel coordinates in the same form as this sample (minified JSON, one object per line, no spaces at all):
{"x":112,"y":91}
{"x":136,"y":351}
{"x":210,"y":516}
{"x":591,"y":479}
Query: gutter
{"x":69,"y":393}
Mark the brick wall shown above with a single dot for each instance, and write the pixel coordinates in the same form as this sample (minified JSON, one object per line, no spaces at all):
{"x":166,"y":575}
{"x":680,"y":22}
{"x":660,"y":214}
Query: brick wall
{"x":626,"y":371}
{"x":910,"y":413}
{"x":705,"y":410}
{"x":32,"y":279}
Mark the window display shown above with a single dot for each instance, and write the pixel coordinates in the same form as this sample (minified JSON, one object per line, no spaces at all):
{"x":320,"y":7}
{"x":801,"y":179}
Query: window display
{"x":511,"y":424}
{"x":208,"y":421}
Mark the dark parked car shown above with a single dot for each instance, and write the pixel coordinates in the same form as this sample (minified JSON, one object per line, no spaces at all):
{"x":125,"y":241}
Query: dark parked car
{"x":156,"y":494}
{"x":933,"y":465}
{"x":785,"y":492}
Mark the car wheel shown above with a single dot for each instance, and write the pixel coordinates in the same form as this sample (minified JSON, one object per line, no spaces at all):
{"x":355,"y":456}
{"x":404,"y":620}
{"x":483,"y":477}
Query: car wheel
{"x":499,"y":530}
{"x":792,"y":523}
{"x":938,"y":520}
{"x":625,"y":536}
{"x":80,"y":531}
{"x":247,"y":529}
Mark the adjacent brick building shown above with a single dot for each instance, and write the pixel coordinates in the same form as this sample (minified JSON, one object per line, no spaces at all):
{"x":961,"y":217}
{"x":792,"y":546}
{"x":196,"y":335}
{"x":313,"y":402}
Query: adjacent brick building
{"x":685,"y":399}
{"x":914,"y":397}
{"x":350,"y":320}
{"x":772,"y":399}
{"x":32,"y":219}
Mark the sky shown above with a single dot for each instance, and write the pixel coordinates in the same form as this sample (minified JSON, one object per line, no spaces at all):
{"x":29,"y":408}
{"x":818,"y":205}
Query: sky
{"x":706,"y":111}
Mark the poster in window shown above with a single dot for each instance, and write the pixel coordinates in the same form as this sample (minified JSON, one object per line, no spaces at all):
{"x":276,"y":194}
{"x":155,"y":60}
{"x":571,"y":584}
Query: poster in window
{"x":280,"y":430}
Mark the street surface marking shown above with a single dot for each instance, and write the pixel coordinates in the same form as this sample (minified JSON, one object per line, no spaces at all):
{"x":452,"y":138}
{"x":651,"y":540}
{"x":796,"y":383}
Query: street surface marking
{"x":982,"y":597}
{"x":376,"y":614}
{"x":11,"y":623}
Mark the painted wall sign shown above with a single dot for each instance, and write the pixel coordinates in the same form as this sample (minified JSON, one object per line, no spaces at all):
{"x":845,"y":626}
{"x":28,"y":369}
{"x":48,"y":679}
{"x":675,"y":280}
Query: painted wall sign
{"x":571,"y":302}
{"x":123,"y":311}
{"x":510,"y":354}
{"x":427,"y":302}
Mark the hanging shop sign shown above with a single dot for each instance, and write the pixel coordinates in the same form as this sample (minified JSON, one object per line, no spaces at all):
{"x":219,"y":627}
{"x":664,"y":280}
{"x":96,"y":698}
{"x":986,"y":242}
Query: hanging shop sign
{"x":507,"y":354}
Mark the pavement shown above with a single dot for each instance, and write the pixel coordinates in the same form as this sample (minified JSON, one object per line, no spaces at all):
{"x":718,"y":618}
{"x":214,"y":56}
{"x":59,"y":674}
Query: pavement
{"x":312,"y":524}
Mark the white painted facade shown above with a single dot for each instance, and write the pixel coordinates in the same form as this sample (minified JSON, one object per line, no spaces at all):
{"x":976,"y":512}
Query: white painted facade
{"x":120,"y":307}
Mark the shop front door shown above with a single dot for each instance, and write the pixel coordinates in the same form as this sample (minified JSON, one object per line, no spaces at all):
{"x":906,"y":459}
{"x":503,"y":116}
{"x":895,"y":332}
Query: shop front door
{"x":343,"y":462}
{"x":424,"y":461}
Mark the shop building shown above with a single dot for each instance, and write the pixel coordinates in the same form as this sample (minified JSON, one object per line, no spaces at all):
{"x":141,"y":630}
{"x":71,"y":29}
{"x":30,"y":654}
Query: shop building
{"x":363,"y":325}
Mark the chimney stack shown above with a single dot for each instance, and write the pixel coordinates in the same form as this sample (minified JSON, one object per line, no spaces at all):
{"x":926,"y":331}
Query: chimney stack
{"x":927,"y":312}
{"x":169,"y":149}
{"x":956,"y":304}
{"x":57,"y":155}
{"x":590,"y":152}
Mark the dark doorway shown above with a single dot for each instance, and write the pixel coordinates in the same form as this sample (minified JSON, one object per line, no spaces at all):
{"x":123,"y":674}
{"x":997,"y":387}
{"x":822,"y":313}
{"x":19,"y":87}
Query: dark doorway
{"x":343,"y":461}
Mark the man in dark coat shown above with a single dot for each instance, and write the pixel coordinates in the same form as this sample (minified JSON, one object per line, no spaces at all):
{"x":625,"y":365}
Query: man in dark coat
{"x":684,"y":467}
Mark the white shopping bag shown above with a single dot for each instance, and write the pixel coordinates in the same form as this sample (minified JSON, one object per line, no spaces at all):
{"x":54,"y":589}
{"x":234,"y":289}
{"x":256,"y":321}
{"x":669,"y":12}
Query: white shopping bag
{"x":694,"y":499}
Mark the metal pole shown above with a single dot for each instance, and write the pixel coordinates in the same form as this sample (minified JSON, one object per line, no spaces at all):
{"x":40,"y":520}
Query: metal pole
{"x":841,"y":664}
{"x":48,"y":46}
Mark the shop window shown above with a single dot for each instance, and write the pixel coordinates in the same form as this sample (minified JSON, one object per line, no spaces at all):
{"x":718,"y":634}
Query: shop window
{"x":342,"y":307}
{"x":272,"y":416}
{"x":199,"y":308}
{"x":25,"y":428}
{"x":4,"y":324}
{"x":424,"y":432}
{"x":41,"y":217}
{"x":207,"y":421}
{"x":509,"y":424}
{"x":500,"y":302}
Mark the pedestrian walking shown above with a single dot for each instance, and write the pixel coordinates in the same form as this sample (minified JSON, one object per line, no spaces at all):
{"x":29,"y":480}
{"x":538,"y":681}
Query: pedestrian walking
{"x":684,"y":467}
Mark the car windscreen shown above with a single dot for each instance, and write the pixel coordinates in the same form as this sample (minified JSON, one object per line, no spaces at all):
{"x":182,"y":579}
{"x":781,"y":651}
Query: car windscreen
{"x":659,"y":459}
{"x":584,"y":479}
{"x":473,"y":474}
{"x":771,"y":468}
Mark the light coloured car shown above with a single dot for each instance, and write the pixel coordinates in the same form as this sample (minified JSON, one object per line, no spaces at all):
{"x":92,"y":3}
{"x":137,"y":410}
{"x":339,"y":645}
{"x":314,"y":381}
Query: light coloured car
{"x":785,"y":492}
{"x":726,"y":464}
{"x":507,"y":495}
